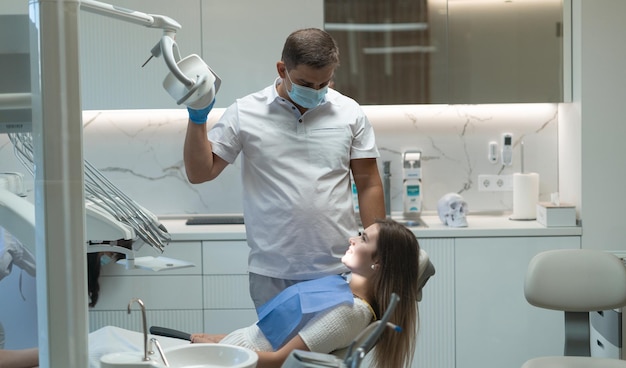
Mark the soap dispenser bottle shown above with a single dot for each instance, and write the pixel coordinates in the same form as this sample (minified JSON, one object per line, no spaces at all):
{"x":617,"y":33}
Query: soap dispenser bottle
{"x":412,"y":183}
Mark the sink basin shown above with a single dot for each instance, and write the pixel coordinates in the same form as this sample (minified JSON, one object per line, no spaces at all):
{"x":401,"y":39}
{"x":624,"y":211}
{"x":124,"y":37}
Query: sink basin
{"x":216,"y":220}
{"x":211,"y":356}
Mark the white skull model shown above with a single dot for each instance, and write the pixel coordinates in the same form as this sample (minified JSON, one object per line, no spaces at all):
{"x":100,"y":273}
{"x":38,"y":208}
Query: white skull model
{"x":452,"y":210}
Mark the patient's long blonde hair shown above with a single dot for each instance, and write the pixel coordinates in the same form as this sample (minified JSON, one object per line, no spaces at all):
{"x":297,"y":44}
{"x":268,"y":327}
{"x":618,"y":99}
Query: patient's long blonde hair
{"x":397,"y":255}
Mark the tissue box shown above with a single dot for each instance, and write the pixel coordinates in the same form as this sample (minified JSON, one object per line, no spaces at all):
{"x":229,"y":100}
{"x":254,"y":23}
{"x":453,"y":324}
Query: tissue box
{"x":550,"y":214}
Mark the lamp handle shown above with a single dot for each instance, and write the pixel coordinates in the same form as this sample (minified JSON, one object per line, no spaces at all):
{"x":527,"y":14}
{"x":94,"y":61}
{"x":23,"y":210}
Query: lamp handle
{"x":168,"y":47}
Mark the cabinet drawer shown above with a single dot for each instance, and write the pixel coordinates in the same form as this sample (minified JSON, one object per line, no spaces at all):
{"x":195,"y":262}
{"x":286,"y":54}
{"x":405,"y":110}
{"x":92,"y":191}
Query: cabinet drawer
{"x":225,"y":257}
{"x":227,"y":292}
{"x":157,"y":292}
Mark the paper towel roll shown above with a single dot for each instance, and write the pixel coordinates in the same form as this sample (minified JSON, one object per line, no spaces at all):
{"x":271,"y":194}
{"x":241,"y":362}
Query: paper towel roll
{"x":525,"y":196}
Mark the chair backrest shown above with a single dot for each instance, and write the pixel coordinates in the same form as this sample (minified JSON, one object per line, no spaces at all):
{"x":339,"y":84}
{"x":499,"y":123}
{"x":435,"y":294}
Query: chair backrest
{"x":576,"y":280}
{"x":426,"y":269}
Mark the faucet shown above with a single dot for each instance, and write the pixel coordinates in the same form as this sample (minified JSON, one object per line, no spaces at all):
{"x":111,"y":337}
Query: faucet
{"x":145,"y":330}
{"x":387,"y":187}
{"x":155,"y":342}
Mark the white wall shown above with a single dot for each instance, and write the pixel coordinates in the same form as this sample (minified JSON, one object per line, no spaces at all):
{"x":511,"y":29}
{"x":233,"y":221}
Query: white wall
{"x":454,"y":138}
{"x":140,"y":151}
{"x":591,"y":140}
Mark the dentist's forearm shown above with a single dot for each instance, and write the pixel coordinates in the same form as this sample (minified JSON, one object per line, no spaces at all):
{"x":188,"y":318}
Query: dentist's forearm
{"x":197,"y":153}
{"x":371,"y":205}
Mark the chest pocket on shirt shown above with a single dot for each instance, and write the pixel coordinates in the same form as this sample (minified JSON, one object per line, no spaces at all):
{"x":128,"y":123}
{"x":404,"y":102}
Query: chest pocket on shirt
{"x":329,"y":147}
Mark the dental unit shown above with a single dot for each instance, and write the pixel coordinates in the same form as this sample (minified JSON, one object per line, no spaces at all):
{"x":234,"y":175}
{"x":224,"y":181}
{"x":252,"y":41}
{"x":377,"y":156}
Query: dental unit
{"x":114,"y":222}
{"x":111,"y":221}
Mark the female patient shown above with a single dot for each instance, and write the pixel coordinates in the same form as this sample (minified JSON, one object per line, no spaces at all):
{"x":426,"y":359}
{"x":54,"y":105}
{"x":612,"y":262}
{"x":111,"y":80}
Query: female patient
{"x":383,"y":260}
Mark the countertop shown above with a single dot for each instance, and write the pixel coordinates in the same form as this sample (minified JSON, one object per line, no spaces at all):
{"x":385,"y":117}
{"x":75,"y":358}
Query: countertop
{"x":479,"y":226}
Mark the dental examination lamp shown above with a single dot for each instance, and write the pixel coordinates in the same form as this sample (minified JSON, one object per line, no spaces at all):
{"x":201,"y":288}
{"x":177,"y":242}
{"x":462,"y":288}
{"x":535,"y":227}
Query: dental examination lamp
{"x":191,"y":81}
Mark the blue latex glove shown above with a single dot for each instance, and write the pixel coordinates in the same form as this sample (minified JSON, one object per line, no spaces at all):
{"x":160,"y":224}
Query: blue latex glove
{"x":200,"y":116}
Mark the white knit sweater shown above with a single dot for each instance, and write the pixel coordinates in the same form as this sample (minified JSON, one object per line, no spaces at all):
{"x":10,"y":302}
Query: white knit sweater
{"x":328,"y":331}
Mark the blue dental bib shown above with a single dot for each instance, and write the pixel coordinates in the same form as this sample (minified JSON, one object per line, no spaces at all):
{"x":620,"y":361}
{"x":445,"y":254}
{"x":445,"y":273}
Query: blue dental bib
{"x":296,"y":305}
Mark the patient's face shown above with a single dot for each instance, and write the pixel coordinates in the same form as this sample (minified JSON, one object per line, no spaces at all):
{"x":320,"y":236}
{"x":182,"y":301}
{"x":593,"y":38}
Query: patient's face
{"x":358,"y":257}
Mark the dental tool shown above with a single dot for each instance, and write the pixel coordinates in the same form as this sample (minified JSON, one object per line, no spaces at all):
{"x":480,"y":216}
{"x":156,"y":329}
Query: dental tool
{"x":111,"y":215}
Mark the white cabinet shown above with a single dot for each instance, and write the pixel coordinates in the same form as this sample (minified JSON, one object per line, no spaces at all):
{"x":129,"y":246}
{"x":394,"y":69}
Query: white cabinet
{"x":227,"y":304}
{"x":495,"y":325}
{"x":473,"y":312}
{"x":435,"y":336}
{"x":212,"y":297}
{"x":172,"y":298}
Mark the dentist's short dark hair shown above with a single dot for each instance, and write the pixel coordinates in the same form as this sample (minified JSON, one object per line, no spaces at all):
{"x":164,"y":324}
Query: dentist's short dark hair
{"x":312,"y":47}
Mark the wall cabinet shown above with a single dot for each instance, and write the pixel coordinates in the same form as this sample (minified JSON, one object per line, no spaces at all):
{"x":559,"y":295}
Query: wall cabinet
{"x":449,"y":52}
{"x":392,"y":52}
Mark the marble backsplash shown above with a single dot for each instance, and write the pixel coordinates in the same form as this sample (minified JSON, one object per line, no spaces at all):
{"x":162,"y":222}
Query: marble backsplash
{"x":140,"y":151}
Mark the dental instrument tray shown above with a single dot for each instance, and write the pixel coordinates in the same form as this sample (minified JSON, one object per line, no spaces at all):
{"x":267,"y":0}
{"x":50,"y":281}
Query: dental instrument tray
{"x":216,"y":220}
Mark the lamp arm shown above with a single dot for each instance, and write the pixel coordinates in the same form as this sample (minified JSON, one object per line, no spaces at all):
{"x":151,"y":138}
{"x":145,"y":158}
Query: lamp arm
{"x":171,"y":57}
{"x":128,"y":15}
{"x":167,"y":46}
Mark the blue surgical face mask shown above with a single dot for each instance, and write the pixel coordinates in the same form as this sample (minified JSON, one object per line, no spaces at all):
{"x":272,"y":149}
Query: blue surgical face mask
{"x":105,"y":259}
{"x":305,"y":96}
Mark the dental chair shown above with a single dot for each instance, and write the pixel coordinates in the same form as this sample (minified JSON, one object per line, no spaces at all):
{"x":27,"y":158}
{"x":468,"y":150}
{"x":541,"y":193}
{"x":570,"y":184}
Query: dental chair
{"x":576,"y":281}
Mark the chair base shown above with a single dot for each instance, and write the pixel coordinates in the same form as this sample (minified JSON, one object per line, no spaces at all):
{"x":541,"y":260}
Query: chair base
{"x":574,"y":362}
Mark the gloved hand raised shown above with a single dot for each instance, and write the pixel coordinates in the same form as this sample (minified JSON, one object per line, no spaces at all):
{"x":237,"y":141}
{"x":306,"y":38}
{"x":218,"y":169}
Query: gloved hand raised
{"x":200,"y":116}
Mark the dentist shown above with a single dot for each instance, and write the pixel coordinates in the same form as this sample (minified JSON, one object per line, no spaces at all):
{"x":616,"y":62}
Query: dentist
{"x":300,"y":141}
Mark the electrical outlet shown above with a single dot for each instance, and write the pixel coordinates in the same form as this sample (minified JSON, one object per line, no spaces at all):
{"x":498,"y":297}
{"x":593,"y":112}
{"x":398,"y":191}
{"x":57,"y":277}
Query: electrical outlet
{"x":495,"y":183}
